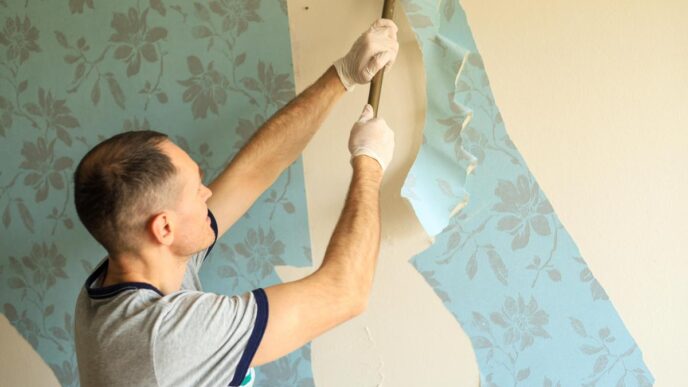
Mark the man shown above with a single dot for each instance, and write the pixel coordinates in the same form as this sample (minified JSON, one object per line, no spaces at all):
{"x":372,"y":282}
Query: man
{"x":142,"y":319}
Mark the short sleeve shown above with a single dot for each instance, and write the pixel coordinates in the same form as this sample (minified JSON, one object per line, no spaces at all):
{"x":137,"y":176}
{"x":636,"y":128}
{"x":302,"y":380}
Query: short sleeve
{"x":209,"y":339}
{"x":197,"y":259}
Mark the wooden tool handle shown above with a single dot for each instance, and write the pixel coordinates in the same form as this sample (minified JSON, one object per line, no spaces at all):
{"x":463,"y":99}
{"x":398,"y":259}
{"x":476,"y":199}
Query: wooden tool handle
{"x":376,"y":82}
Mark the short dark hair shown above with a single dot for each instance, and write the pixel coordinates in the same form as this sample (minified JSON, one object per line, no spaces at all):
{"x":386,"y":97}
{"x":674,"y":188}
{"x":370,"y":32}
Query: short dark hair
{"x":119,"y":184}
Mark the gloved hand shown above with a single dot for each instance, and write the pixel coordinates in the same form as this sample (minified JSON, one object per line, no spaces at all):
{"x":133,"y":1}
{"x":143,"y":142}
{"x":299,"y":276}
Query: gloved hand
{"x":374,"y":49}
{"x":372,"y":137}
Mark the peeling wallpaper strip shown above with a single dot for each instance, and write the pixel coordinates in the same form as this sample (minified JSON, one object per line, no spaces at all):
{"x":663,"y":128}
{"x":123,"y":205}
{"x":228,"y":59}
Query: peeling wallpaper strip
{"x":505,"y":266}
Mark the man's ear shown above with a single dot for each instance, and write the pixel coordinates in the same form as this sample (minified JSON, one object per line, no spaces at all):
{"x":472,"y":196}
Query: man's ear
{"x":162,"y":228}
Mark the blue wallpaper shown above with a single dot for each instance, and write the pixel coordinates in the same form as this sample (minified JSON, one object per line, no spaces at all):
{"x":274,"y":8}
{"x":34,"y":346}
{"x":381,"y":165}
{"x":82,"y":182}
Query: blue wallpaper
{"x":75,"y":72}
{"x":505,"y":267}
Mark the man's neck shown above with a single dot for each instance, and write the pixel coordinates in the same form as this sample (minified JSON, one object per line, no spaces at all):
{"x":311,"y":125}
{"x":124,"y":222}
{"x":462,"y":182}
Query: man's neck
{"x":159,"y":269}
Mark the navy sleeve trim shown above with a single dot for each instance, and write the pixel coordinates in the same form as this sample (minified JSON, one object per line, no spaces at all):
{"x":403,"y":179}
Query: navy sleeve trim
{"x":254,"y":340}
{"x":213,"y":225}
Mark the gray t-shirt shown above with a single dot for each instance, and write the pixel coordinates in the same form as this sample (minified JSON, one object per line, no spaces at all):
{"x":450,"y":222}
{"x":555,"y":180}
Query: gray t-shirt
{"x":130,"y":334}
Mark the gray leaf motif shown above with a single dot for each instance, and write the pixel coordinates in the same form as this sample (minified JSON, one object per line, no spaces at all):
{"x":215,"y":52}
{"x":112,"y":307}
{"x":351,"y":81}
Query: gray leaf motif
{"x":415,"y":15}
{"x":46,"y":264}
{"x":472,"y":266}
{"x":95,"y":92}
{"x":578,"y":327}
{"x":262,"y":250}
{"x":524,"y":207}
{"x":77,"y":6}
{"x":523,"y":374}
{"x":205,"y":89}
{"x":481,"y":342}
{"x":641,"y":378}
{"x":158,"y":6}
{"x":454,"y":241}
{"x":134,"y":39}
{"x":596,"y":290}
{"x":6,"y":112}
{"x":201,"y":11}
{"x":481,"y":322}
{"x":602,"y":351}
{"x":554,"y":275}
{"x":590,"y":350}
{"x":42,"y":167}
{"x":24,"y":214}
{"x":600,"y":364}
{"x":66,"y":373}
{"x":521,"y":238}
{"x":498,"y":268}
{"x":434,"y":284}
{"x":448,"y":9}
{"x":541,"y":225}
{"x":475,"y":143}
{"x":604,"y":333}
{"x":446,"y":189}
{"x":283,"y":6}
{"x":236,"y":15}
{"x":457,"y":122}
{"x":200,"y":32}
{"x":20,"y":38}
{"x":522,"y":322}
{"x":549,"y":383}
{"x":55,"y":113}
{"x":598,"y":293}
{"x":277,"y":88}
{"x":115,"y":90}
{"x":476,"y":60}
{"x":245,"y":129}
{"x":135,"y":124}
{"x":7,"y":216}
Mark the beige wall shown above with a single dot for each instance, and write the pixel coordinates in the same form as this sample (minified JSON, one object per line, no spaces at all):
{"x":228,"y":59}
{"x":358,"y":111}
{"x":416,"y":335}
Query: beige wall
{"x":592,"y":93}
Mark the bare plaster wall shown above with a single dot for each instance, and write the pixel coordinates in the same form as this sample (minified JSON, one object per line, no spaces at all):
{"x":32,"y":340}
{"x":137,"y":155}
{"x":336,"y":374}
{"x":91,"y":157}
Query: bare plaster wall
{"x":593,"y":95}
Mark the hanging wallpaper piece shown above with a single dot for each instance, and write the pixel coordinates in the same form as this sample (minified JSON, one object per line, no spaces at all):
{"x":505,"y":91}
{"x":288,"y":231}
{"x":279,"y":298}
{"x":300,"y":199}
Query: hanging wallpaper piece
{"x":504,"y":265}
{"x":72,"y":73}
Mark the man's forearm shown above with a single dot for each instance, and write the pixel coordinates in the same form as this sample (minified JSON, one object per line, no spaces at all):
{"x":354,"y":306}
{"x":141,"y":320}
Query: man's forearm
{"x":352,"y":253}
{"x":284,"y":136}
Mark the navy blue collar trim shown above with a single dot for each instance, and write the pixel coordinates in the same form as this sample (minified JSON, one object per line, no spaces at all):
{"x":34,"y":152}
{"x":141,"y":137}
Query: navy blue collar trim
{"x":213,"y":225}
{"x":109,"y":291}
{"x":112,"y":290}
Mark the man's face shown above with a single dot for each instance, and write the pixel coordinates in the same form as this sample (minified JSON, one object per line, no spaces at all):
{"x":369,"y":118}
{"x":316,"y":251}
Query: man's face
{"x":193,"y":232}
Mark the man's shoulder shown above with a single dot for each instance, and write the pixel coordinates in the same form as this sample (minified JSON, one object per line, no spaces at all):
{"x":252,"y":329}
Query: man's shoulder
{"x":190,"y":297}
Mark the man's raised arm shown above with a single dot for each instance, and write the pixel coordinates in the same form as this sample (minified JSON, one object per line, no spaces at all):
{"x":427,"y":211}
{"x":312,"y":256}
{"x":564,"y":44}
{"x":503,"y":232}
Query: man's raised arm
{"x":280,"y":141}
{"x":301,"y":310}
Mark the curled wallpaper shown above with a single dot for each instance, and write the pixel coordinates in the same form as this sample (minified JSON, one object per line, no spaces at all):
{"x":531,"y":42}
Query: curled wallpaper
{"x":75,"y":72}
{"x":505,"y":267}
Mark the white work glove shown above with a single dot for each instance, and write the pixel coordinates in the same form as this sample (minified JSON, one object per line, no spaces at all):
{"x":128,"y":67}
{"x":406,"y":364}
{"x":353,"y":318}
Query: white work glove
{"x":372,"y":137}
{"x":374,"y":49}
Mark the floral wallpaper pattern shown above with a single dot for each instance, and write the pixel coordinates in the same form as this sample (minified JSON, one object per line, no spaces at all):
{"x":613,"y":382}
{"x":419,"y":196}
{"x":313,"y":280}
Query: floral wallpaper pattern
{"x":505,"y":267}
{"x":75,"y":72}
